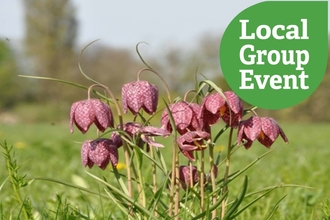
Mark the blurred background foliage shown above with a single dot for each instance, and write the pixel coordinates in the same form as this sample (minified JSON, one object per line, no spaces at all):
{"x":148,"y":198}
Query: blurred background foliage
{"x":50,"y":49}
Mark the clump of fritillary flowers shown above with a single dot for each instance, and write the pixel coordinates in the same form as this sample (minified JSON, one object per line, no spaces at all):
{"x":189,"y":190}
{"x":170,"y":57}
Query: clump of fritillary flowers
{"x":190,"y":124}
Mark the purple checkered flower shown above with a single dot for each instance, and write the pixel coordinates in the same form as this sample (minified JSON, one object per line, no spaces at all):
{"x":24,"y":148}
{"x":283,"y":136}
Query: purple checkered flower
{"x":192,"y":141}
{"x":100,"y":152}
{"x":190,"y":175}
{"x":214,"y":107}
{"x":146,"y":133}
{"x":139,"y":94}
{"x":86,"y":112}
{"x":264,"y":129}
{"x":185,"y":117}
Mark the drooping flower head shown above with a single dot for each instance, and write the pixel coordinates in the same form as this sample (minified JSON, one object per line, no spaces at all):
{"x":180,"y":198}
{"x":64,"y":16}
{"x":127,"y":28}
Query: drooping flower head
{"x":139,"y":94}
{"x":215,"y":106}
{"x":86,"y":112}
{"x":185,"y":117}
{"x":146,"y":133}
{"x":264,"y":129}
{"x":189,"y":176}
{"x":192,"y":141}
{"x":100,"y":152}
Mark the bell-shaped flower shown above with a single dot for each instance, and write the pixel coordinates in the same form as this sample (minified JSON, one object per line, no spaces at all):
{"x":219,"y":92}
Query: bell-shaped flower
{"x":215,"y":106}
{"x":264,"y":129}
{"x":189,"y":176}
{"x":145,"y":133}
{"x":185,"y":117}
{"x":192,"y":141}
{"x":86,"y":112}
{"x":100,"y":152}
{"x":139,"y":94}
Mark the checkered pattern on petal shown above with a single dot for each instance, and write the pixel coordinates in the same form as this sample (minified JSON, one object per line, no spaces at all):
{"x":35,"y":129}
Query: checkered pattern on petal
{"x":139,"y":94}
{"x":231,"y":118}
{"x":133,"y":97}
{"x":234,"y":102}
{"x":196,"y":122}
{"x":271,"y":130}
{"x":249,"y":130}
{"x":150,"y":98}
{"x":185,"y":176}
{"x":102,"y":151}
{"x":182,"y":115}
{"x":189,"y":142}
{"x":82,"y":115}
{"x":85,"y":154}
{"x":210,"y":108}
{"x":103,"y":115}
{"x":99,"y":154}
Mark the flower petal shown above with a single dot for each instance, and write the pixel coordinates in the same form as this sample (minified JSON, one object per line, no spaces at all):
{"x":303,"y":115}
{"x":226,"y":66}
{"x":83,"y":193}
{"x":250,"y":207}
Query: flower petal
{"x":150,"y":98}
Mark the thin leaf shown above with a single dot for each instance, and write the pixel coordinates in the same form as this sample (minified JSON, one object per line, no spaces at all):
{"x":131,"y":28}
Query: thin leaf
{"x":272,"y":212}
{"x":213,"y":207}
{"x":125,"y":197}
{"x":233,"y":208}
{"x":252,"y":202}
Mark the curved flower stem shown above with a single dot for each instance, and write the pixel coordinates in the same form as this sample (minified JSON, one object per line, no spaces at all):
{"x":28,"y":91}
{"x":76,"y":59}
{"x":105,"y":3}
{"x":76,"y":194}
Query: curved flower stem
{"x":187,"y":93}
{"x":138,"y":52}
{"x":121,"y":124}
{"x":161,"y":78}
{"x":225,"y":179}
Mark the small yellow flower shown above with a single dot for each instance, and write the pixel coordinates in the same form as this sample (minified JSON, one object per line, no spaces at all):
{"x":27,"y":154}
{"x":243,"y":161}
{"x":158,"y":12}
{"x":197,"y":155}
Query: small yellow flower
{"x":219,"y":148}
{"x":121,"y":166}
{"x":20,"y":145}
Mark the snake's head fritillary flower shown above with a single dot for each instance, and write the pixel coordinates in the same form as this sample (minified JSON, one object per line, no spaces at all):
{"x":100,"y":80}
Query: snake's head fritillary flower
{"x":146,"y":133}
{"x":86,"y":112}
{"x":192,"y":141}
{"x":185,"y":117}
{"x":264,"y":129}
{"x":187,"y":176}
{"x":232,"y":111}
{"x":215,"y":106}
{"x":139,"y":94}
{"x":100,"y":152}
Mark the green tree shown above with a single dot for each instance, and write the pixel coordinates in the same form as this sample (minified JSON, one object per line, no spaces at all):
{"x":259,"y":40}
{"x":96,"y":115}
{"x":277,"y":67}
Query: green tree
{"x":50,"y":37}
{"x":10,"y":89}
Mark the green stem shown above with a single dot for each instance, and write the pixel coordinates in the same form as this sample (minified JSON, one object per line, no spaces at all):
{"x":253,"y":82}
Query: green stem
{"x":202,"y":181}
{"x":174,"y":176}
{"x":177,"y":187}
{"x":225,"y":179}
{"x":154,"y":177}
{"x":141,"y":179}
{"x":121,"y":124}
{"x":214,"y":197}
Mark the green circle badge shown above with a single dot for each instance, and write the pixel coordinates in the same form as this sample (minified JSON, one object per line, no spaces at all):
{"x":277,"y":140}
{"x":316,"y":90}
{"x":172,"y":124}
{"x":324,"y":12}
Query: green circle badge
{"x":274,"y":54}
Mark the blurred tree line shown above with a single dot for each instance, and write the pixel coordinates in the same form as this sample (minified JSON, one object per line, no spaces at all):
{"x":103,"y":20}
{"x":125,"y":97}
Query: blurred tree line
{"x":50,"y":50}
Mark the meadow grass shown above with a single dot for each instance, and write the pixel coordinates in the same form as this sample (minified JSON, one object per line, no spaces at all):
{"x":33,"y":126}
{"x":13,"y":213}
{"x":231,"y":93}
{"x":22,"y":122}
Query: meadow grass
{"x":49,"y":151}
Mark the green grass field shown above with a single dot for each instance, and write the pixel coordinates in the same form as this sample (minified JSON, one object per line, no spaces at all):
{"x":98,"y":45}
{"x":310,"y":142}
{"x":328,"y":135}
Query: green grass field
{"x":50,"y":151}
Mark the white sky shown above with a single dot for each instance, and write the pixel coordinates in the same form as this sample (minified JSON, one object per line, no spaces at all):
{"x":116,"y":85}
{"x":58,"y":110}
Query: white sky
{"x":124,"y":24}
